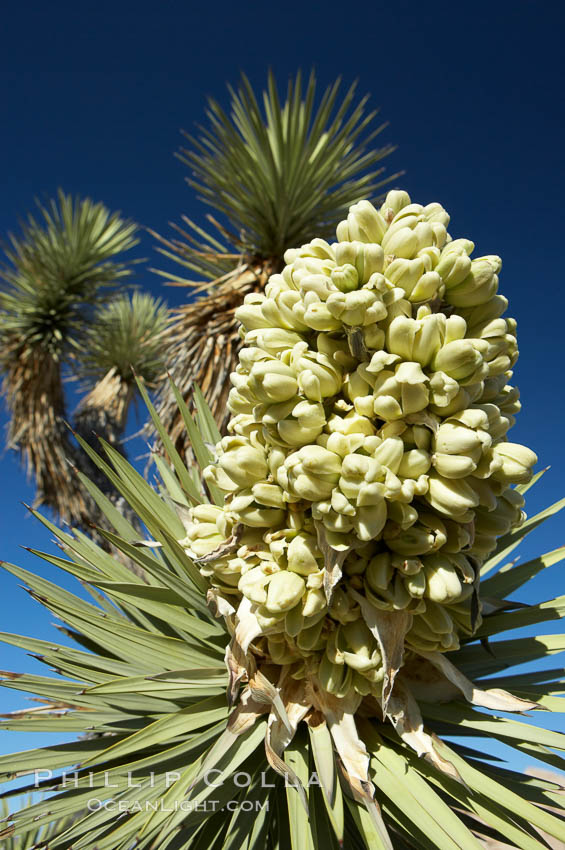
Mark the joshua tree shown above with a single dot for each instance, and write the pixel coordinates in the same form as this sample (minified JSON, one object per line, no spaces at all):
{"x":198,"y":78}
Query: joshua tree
{"x":315,"y":629}
{"x":277,"y":175}
{"x":60,"y":315}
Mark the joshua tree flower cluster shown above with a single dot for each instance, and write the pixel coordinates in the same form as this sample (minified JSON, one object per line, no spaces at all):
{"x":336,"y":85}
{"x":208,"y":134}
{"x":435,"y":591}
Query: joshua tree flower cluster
{"x":367,"y":467}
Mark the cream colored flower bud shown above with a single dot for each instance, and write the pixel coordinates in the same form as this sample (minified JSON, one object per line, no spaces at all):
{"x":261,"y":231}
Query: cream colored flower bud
{"x":442,"y":581}
{"x":370,"y":521}
{"x":203,"y":538}
{"x":247,"y":510}
{"x":272,"y":381}
{"x":351,"y":423}
{"x":429,"y":286}
{"x":318,"y":377}
{"x":453,"y":498}
{"x":453,"y":466}
{"x":509,"y":505}
{"x":405,"y":273}
{"x":314,"y":602}
{"x":365,"y":223}
{"x":243,"y":463}
{"x":415,"y":462}
{"x":444,"y":392}
{"x":416,"y":540}
{"x":318,"y":317}
{"x":494,"y":523}
{"x":320,"y":284}
{"x":359,"y":647}
{"x":361,"y":479}
{"x":403,"y":242}
{"x":401,"y":514}
{"x":284,"y":591}
{"x":362,"y":307}
{"x":517,"y":463}
{"x":216,"y":476}
{"x":435,"y":212}
{"x":483,"y":313}
{"x":250,"y":313}
{"x":302,"y":422}
{"x":456,"y":437}
{"x":345,"y":278}
{"x":269,"y":495}
{"x":302,"y":554}
{"x":486,"y":491}
{"x":280,"y":311}
{"x":461,"y":360}
{"x":455,"y":264}
{"x":310,"y":473}
{"x":479,"y":286}
{"x":369,"y":261}
{"x":337,"y":350}
{"x":253,"y":585}
{"x":459,"y":536}
{"x":379,"y":572}
{"x":346,"y":253}
{"x":400,"y":336}
{"x":389,"y":453}
{"x":272,"y":340}
{"x":395,"y":201}
{"x":416,"y":339}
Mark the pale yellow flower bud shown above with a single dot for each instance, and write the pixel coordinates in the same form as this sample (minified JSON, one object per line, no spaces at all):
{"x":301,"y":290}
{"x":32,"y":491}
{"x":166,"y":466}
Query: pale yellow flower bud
{"x":314,"y":602}
{"x":253,"y":584}
{"x":250,"y":313}
{"x":362,"y":307}
{"x":414,"y":462}
{"x":395,"y":201}
{"x":318,"y":377}
{"x":435,"y":212}
{"x":272,"y":340}
{"x":442,"y":582}
{"x":461,"y":360}
{"x":243,"y":463}
{"x":479,"y":286}
{"x":451,"y":497}
{"x":379,"y":572}
{"x":272,"y":381}
{"x":517,"y":463}
{"x":318,"y":317}
{"x":429,"y":285}
{"x":296,"y":424}
{"x":345,"y":278}
{"x":365,"y":223}
{"x":302,"y":554}
{"x":284,"y":591}
{"x":369,"y":260}
{"x":247,"y":510}
{"x":337,"y":351}
{"x":268,"y":494}
{"x":403,"y":242}
{"x":310,"y":473}
{"x":455,"y":264}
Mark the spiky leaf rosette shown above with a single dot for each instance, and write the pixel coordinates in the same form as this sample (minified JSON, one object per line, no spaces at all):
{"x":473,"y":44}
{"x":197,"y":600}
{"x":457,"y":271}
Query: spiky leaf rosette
{"x":124,"y":339}
{"x":280,"y":174}
{"x":60,"y":266}
{"x":161,"y":760}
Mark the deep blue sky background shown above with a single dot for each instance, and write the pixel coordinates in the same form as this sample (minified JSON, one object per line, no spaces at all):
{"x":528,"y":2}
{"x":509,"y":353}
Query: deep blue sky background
{"x":94,"y":96}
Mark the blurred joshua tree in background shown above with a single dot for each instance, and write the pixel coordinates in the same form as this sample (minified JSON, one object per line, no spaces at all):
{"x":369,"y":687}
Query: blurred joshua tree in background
{"x":279,"y":175}
{"x":62,"y":315}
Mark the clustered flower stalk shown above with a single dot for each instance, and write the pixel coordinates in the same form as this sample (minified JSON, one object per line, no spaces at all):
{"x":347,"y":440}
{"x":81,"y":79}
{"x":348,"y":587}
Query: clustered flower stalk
{"x":367,"y":472}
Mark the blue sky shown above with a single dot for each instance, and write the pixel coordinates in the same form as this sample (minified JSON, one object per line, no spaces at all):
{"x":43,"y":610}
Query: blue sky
{"x":94,"y":96}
